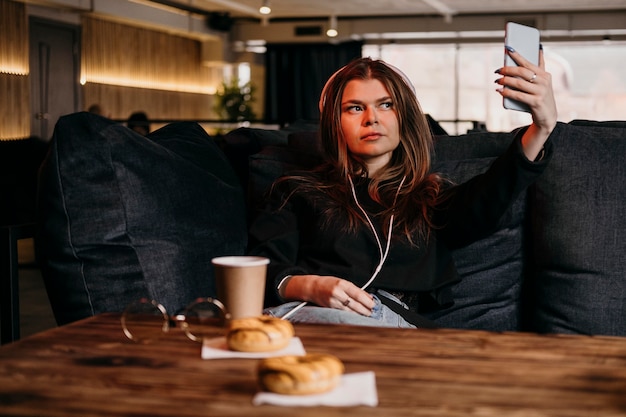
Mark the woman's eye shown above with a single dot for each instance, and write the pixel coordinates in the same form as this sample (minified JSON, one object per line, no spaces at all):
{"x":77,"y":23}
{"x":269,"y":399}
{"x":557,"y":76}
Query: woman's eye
{"x":354,"y":108}
{"x":386,"y":105}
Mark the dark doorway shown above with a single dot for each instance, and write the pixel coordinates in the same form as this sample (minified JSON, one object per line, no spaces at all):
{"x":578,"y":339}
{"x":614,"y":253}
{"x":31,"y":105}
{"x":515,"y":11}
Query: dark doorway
{"x":54,"y":74}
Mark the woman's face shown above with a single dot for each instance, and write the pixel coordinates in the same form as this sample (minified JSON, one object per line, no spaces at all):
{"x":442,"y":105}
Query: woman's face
{"x":369,"y":122}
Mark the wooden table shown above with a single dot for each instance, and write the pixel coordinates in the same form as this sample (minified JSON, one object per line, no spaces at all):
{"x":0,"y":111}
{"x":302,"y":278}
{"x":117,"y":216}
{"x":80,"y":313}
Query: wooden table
{"x":89,"y":369}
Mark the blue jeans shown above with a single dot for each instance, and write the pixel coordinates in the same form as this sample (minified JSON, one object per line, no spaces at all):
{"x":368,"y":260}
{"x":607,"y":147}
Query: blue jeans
{"x":381,"y":315}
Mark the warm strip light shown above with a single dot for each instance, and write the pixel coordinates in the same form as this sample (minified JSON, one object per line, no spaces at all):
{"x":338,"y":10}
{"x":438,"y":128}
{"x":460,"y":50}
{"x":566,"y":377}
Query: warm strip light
{"x":23,"y":136}
{"x":163,"y":86}
{"x":13,"y":70}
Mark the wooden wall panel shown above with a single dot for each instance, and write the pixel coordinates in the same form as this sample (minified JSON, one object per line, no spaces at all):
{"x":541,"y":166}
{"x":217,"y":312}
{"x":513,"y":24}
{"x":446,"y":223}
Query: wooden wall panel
{"x":14,"y":107}
{"x":14,"y":83}
{"x":127,"y":69}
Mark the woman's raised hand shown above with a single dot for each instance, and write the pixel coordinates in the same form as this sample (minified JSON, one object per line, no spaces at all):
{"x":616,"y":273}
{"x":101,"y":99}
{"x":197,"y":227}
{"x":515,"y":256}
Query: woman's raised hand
{"x":532,"y":85}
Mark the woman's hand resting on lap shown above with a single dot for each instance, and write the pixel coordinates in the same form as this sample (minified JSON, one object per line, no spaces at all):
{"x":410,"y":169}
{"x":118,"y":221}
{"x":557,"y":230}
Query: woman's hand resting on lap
{"x":329,"y":291}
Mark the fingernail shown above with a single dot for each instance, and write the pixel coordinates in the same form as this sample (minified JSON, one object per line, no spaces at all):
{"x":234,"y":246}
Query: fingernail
{"x":541,"y":46}
{"x":497,"y":71}
{"x":497,"y":81}
{"x":509,"y":48}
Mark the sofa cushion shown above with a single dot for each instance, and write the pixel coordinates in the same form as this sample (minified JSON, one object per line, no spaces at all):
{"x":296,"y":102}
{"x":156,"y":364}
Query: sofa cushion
{"x":242,"y":142}
{"x":492,"y":268}
{"x":123,"y":216}
{"x":579,"y":233}
{"x":302,"y":152}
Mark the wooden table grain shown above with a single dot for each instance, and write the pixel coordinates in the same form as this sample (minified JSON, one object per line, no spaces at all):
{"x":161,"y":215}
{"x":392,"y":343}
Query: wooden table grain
{"x":89,"y":368}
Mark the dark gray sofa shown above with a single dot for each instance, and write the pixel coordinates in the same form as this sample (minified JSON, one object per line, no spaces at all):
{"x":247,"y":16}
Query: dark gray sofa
{"x":555,"y":265}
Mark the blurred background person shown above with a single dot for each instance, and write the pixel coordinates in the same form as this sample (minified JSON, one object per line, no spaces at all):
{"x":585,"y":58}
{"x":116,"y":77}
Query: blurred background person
{"x":138,"y":121}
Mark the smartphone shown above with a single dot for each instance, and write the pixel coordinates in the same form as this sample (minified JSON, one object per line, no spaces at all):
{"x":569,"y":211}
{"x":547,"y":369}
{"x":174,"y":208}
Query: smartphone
{"x":525,"y":40}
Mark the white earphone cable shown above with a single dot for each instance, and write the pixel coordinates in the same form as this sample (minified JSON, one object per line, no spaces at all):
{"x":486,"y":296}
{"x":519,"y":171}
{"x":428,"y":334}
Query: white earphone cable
{"x":383,"y":255}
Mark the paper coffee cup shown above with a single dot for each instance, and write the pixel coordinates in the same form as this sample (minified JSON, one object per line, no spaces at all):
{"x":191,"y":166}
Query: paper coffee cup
{"x":240,"y":282}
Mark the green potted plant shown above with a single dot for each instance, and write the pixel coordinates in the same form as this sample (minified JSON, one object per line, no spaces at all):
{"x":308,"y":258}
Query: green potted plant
{"x":233,"y":101}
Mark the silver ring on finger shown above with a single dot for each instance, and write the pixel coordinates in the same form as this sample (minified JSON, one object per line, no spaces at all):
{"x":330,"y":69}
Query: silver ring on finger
{"x":532,"y":79}
{"x":345,"y":303}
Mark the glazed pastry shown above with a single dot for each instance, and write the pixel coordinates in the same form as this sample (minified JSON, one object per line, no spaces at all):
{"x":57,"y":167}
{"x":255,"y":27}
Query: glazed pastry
{"x":313,"y":373}
{"x":259,"y":334}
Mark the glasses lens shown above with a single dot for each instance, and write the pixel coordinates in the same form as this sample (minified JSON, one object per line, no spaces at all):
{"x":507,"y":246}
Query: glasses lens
{"x":204,"y":318}
{"x":144,"y":320}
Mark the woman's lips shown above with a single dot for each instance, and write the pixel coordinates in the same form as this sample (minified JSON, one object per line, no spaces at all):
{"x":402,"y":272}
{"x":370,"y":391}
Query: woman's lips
{"x":371,"y":136}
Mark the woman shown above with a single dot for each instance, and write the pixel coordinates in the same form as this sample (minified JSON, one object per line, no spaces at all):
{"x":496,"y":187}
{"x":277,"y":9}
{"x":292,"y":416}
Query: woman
{"x":366,"y":237}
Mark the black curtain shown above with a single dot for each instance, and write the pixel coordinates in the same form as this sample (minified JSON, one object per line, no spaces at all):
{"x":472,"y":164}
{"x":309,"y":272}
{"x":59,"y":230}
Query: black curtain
{"x":295,"y":76}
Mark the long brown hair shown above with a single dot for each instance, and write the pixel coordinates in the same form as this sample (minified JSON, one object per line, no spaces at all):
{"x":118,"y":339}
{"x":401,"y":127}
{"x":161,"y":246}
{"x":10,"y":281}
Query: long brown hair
{"x":410,"y":160}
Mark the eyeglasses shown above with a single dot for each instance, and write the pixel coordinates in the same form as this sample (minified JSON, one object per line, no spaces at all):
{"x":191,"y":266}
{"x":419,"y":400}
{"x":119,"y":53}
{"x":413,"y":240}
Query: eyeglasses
{"x":146,"y":320}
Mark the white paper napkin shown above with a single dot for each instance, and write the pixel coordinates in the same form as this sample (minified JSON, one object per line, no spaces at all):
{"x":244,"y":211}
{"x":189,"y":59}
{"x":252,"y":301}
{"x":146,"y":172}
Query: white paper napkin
{"x":218,"y":349}
{"x":353,"y":389}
